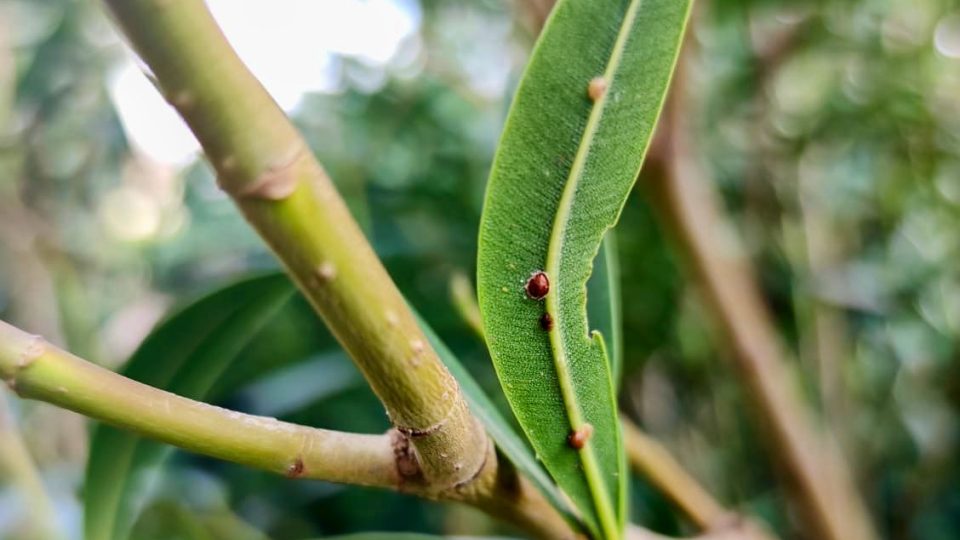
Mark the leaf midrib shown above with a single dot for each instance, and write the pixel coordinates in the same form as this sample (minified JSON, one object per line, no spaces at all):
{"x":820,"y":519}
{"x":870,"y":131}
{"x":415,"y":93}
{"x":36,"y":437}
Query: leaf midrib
{"x":605,"y":510}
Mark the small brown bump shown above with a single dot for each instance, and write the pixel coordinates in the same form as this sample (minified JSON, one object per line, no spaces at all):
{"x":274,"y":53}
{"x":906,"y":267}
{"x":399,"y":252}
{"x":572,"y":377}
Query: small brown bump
{"x":579,"y":437}
{"x":278,"y":181}
{"x":229,"y":163}
{"x":182,"y":99}
{"x":416,"y":346}
{"x":296,"y":469}
{"x":546,"y":322}
{"x":391,"y":317}
{"x":538,"y":285}
{"x":326,"y":272}
{"x":32,"y":351}
{"x":597,"y":88}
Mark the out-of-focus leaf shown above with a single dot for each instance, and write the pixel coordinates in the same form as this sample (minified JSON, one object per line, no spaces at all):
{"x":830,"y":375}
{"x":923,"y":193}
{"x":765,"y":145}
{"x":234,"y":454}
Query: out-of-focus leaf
{"x":573,"y":144}
{"x":512,"y":446}
{"x":185,"y":355}
{"x":408,"y":536}
{"x":604,"y":310}
{"x":168,"y":519}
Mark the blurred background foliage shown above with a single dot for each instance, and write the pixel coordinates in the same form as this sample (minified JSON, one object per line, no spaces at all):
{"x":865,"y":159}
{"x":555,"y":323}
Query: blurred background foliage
{"x":830,"y":127}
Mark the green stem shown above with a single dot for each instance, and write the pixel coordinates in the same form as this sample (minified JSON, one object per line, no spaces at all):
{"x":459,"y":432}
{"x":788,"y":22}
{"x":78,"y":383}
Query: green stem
{"x":265,"y":165}
{"x":37,"y":370}
{"x":465,"y":301}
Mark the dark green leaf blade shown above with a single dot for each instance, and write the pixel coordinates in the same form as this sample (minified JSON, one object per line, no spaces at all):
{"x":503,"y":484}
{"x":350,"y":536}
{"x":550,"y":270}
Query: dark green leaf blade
{"x":573,"y":144}
{"x":186,"y":354}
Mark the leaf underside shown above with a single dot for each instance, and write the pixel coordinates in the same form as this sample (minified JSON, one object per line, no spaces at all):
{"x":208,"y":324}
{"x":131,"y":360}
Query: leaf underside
{"x":563,"y":170}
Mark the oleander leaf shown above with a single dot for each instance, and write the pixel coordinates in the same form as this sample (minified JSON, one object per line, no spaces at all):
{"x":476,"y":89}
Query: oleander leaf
{"x":572,"y":147}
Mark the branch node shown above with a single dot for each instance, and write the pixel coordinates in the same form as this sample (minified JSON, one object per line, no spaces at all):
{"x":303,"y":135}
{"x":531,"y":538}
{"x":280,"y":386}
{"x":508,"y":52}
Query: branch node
{"x":296,"y":469}
{"x":278,"y":181}
{"x":483,"y":465}
{"x":404,"y":456}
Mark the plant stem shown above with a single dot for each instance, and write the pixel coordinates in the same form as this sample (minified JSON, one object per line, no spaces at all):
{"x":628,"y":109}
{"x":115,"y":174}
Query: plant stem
{"x":265,"y":165}
{"x":655,"y":463}
{"x":37,"y":370}
{"x":465,"y":301}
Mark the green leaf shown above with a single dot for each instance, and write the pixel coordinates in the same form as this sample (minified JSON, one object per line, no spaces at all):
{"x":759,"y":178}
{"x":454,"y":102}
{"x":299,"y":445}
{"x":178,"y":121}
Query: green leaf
{"x":604,"y":311}
{"x":186,"y":355}
{"x":407,"y":536}
{"x":565,"y":165}
{"x":503,"y":434}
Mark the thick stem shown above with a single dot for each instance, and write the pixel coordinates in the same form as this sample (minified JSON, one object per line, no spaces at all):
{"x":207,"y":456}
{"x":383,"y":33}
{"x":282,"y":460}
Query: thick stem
{"x":265,"y":165}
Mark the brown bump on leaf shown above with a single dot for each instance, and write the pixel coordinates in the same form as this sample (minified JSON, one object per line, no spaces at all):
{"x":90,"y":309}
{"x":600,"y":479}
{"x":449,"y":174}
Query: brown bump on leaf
{"x":597,"y":88}
{"x":296,"y":469}
{"x":277,"y":182}
{"x":538,"y":285}
{"x":546,"y":322}
{"x":579,"y":437}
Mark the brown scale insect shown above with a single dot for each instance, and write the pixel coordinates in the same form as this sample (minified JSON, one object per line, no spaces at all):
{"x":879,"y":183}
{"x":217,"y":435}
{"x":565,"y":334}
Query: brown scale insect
{"x":546,"y":322}
{"x":597,"y":88}
{"x":538,"y":285}
{"x":578,"y":438}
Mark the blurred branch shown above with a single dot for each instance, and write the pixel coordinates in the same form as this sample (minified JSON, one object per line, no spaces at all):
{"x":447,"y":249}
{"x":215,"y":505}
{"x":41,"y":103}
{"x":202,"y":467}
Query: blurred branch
{"x":265,"y":165}
{"x":690,"y":209}
{"x":534,"y":13}
{"x":465,"y":300}
{"x":735,"y":531}
{"x":652,"y":460}
{"x":17,"y":464}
